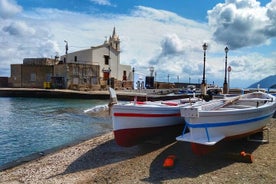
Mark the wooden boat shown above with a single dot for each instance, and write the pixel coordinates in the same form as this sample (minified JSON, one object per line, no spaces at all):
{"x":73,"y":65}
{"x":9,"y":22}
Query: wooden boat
{"x":227,"y":118}
{"x":134,"y":122}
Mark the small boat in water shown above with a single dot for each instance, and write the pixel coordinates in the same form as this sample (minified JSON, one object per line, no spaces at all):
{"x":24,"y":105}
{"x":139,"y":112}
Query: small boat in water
{"x":136,"y":121}
{"x":232,"y":117}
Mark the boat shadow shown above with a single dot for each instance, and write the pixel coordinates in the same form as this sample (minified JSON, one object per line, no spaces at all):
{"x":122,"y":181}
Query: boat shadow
{"x":108,"y":153}
{"x":189,"y":165}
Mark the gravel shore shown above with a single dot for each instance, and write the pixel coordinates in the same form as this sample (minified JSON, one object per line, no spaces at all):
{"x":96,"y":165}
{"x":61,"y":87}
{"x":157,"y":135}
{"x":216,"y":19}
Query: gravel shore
{"x":100,"y":160}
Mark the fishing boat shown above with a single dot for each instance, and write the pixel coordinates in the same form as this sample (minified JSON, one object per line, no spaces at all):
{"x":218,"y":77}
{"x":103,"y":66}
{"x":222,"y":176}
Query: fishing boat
{"x":228,"y":118}
{"x":136,"y":121}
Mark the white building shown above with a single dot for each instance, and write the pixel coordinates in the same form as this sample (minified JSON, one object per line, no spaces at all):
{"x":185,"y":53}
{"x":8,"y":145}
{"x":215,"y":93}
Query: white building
{"x":106,"y":56}
{"x":90,"y":69}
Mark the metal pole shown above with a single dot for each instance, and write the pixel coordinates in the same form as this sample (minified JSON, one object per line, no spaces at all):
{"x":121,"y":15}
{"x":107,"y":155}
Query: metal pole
{"x":225,"y":86}
{"x":204,"y":60}
{"x":228,"y":81}
{"x":203,"y":83}
{"x":155,"y":81}
{"x":229,"y":70}
{"x":66,"y":47}
{"x":133,"y":70}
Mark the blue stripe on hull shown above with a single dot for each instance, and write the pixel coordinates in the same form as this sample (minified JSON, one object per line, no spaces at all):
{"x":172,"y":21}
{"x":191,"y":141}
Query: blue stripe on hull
{"x":220,"y":124}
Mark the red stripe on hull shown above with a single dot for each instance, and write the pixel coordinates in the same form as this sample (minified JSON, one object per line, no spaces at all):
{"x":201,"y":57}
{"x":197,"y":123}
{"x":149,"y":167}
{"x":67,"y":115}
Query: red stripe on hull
{"x":131,"y":137}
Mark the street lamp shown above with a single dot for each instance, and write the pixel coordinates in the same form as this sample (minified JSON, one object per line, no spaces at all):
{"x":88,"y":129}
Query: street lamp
{"x":155,"y":74}
{"x":66,"y":51}
{"x":229,"y":70}
{"x":66,"y":47}
{"x":133,"y":70}
{"x":225,"y":85}
{"x":203,"y":83}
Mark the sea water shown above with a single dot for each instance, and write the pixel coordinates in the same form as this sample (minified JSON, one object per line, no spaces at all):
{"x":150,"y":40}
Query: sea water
{"x":32,"y":125}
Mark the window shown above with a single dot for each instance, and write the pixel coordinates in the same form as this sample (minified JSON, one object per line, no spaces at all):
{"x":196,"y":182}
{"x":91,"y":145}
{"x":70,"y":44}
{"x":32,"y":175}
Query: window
{"x":94,"y":80}
{"x":75,"y":80}
{"x":48,"y":77}
{"x":106,"y":59}
{"x":124,"y":75}
{"x":33,"y":77}
{"x":75,"y":58}
{"x":75,"y":70}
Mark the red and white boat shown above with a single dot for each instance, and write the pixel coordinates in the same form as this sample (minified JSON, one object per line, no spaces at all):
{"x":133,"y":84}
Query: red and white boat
{"x":135,"y":122}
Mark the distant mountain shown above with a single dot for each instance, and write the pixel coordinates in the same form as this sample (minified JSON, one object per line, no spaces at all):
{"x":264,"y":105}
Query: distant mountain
{"x":268,"y":82}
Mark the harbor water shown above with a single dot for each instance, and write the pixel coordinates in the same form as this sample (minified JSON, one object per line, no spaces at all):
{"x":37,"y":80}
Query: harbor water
{"x":32,"y":125}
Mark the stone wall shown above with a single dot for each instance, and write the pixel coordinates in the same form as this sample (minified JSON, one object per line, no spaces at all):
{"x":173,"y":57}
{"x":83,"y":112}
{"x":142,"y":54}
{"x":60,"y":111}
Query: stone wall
{"x":34,"y":76}
{"x":15,"y":79}
{"x":3,"y":81}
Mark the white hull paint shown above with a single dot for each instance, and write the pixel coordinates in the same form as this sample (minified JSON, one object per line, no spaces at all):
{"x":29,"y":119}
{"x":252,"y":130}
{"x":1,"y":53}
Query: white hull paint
{"x":135,"y":122}
{"x":246,"y":114}
{"x":127,"y":117}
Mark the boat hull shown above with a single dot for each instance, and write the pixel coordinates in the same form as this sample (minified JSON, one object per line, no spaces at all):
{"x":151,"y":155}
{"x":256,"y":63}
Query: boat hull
{"x":134,"y":124}
{"x":135,"y":136}
{"x":210,"y":127}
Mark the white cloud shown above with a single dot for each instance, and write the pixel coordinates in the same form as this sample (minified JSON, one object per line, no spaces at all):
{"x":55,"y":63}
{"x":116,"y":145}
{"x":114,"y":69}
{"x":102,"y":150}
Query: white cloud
{"x":172,"y":45}
{"x":9,"y":8}
{"x":102,"y":2}
{"x":271,"y":14}
{"x":19,"y":29}
{"x":242,"y":23}
{"x":149,"y":37}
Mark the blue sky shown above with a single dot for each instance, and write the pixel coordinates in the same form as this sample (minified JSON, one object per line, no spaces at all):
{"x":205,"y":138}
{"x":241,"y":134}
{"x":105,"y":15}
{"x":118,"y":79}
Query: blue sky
{"x":165,"y":34}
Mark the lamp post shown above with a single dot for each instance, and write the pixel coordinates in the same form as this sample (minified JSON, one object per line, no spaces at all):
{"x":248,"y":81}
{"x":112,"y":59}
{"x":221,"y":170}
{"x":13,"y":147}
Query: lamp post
{"x":155,"y":83}
{"x":66,"y":51}
{"x":225,"y":85}
{"x":133,"y":70}
{"x":150,"y":81}
{"x":66,"y":47}
{"x":203,"y":83}
{"x":229,"y":70}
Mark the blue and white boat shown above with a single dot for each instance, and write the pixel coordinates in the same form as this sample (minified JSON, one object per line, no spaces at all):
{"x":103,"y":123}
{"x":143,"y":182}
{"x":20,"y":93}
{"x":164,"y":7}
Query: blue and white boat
{"x":231,"y":117}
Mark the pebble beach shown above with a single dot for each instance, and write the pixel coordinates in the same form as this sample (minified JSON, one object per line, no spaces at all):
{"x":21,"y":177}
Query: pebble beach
{"x":101,"y":160}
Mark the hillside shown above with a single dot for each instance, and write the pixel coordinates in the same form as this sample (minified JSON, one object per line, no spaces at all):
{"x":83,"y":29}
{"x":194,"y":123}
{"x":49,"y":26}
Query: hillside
{"x":268,"y":82}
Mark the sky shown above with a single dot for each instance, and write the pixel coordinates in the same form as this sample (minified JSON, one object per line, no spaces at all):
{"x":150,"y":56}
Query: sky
{"x":164,"y":34}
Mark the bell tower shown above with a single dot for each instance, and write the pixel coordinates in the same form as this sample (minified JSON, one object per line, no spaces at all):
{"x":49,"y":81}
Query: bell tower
{"x":114,"y":40}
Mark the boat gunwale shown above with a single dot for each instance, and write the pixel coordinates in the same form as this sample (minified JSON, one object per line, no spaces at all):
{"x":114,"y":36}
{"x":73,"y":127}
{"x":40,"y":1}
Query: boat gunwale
{"x":227,"y":123}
